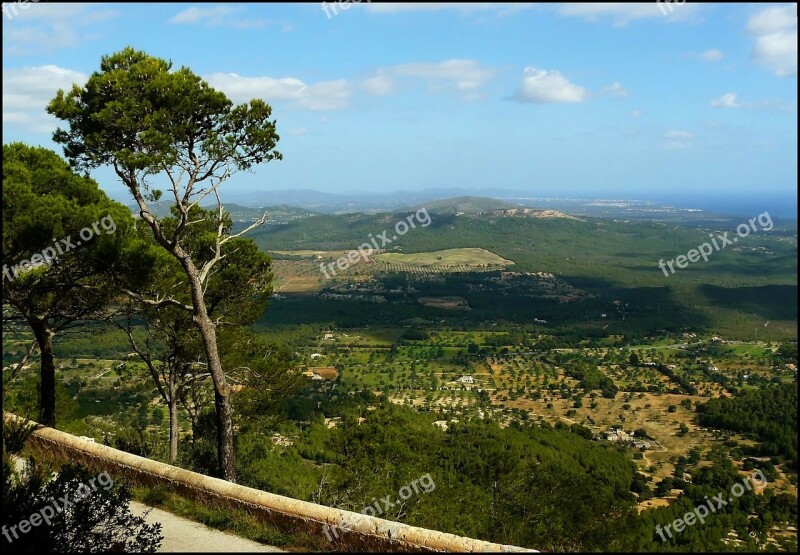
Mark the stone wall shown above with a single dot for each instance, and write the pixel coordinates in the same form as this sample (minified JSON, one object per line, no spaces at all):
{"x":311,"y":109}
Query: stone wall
{"x":363,"y":532}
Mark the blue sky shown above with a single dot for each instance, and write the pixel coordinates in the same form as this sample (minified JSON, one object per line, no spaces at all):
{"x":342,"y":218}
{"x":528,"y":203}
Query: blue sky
{"x":596,"y":100}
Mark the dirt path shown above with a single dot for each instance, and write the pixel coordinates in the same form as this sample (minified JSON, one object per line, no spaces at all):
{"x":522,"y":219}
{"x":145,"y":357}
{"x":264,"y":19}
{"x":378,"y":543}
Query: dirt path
{"x":182,"y":535}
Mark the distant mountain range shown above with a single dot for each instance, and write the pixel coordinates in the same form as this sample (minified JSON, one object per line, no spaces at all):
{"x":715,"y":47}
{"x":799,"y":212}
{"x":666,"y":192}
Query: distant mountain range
{"x":661,"y":206}
{"x":292,"y":205}
{"x":450,"y":200}
{"x":287,"y":205}
{"x":465,"y":205}
{"x":366,"y":202}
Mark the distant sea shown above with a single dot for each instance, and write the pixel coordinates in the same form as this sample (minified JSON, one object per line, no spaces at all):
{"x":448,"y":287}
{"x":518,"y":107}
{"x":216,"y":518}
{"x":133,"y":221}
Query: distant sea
{"x":778,"y":205}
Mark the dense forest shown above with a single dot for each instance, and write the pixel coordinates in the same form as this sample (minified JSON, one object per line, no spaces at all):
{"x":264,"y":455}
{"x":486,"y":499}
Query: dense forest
{"x":619,"y":253}
{"x":769,"y":415}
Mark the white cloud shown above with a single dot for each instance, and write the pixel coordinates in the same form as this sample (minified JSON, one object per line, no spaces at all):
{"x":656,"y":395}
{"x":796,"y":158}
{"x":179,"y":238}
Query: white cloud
{"x":461,"y":7}
{"x":539,"y":85}
{"x":464,"y":75}
{"x":297,"y":131}
{"x":675,"y":134}
{"x":772,"y":20}
{"x":324,"y":95}
{"x":222,"y":16}
{"x":727,"y":100}
{"x":378,"y":85}
{"x":615,"y":89}
{"x":621,"y":13}
{"x":637,"y":113}
{"x":677,"y":139}
{"x":712,"y":55}
{"x":28,"y":91}
{"x":52,"y":11}
{"x":775,"y":32}
{"x":774,"y":104}
{"x":208,"y":15}
{"x":46,"y":27}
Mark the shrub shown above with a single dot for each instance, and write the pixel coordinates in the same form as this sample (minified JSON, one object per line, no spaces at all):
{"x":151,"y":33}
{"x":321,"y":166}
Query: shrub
{"x":101,"y":521}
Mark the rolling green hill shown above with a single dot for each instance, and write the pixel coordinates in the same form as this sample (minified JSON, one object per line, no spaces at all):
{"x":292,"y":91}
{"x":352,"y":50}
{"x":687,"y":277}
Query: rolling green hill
{"x":740,"y":287}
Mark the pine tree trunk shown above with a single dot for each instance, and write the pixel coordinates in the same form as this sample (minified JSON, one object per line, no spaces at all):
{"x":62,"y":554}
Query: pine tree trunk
{"x":173,"y":428}
{"x":225,"y":436}
{"x":47,"y":385}
{"x":225,"y":454}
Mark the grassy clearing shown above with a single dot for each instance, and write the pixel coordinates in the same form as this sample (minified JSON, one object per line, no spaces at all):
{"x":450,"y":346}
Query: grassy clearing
{"x":447,"y":257}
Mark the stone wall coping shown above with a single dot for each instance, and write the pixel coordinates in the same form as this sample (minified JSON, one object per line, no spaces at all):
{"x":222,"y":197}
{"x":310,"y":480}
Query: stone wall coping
{"x":372,"y":531}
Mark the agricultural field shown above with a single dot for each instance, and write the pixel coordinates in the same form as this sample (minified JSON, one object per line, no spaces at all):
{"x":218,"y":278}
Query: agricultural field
{"x":296,"y":276}
{"x":300,"y":271}
{"x":654,"y":388}
{"x":449,"y":259}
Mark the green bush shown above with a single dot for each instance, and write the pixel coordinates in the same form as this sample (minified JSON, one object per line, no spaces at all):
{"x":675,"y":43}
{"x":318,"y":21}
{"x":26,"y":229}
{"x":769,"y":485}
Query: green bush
{"x":98,"y":521}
